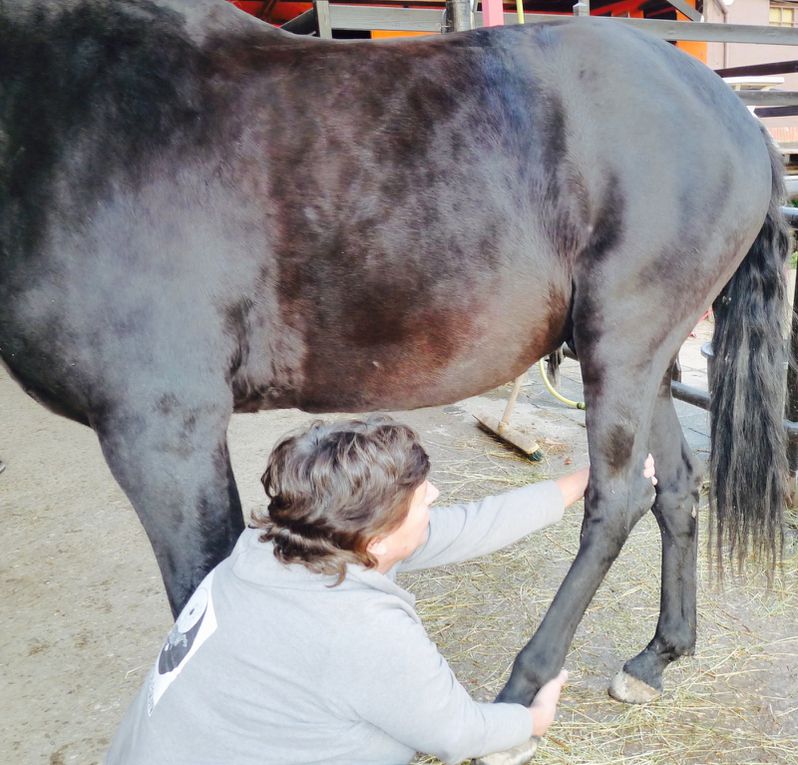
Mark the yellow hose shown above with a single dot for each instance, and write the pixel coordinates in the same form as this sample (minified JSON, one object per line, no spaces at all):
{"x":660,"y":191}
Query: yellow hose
{"x":519,"y":9}
{"x":550,"y":388}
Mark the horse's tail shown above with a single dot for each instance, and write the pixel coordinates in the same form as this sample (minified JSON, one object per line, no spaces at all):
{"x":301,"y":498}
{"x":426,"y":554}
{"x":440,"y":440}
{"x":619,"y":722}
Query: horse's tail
{"x":748,"y":463}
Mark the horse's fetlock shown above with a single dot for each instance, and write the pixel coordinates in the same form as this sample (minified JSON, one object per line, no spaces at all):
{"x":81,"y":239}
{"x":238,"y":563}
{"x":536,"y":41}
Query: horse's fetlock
{"x":681,"y":643}
{"x":677,"y":649}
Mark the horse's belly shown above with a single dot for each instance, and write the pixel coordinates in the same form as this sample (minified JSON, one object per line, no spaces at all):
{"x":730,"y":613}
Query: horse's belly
{"x":430,"y":369}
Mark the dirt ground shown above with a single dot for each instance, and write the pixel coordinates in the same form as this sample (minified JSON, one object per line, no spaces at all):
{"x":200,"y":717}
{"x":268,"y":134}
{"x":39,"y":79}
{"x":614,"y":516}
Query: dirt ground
{"x":84,"y":614}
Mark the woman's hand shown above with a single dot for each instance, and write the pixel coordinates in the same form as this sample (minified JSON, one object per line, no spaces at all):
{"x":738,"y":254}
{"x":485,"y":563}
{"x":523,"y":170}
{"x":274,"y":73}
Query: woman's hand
{"x":544,"y":705}
{"x":574,"y":485}
{"x":649,"y":470}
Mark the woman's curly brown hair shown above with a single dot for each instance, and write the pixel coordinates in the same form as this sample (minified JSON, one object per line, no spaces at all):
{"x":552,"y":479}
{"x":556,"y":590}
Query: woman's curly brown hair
{"x":334,"y":487}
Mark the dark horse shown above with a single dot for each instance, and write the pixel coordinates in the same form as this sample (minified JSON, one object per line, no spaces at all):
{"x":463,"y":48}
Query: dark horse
{"x":202,"y":215}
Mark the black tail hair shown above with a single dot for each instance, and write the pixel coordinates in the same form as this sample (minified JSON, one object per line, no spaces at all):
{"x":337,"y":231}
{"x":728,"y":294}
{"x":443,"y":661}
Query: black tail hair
{"x":748,"y":463}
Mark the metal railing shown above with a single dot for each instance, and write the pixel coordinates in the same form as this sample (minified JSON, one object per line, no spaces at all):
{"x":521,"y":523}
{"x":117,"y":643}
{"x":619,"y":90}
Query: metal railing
{"x":364,"y":17}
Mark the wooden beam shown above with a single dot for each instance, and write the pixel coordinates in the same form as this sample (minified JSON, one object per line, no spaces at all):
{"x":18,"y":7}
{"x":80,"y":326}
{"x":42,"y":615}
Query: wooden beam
{"x":683,"y":30}
{"x":768,"y":97}
{"x":759,"y":70}
{"x":777,"y":111}
{"x":370,"y":17}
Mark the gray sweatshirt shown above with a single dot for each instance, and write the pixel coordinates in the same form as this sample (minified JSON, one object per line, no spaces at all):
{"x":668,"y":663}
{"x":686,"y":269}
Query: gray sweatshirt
{"x":270,"y":665}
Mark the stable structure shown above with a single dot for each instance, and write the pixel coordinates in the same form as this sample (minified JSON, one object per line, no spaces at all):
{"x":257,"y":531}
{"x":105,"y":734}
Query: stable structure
{"x":377,"y":19}
{"x":760,"y":63}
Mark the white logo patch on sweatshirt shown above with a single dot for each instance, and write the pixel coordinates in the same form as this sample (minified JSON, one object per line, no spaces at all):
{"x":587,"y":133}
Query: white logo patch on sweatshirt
{"x":196,"y":623}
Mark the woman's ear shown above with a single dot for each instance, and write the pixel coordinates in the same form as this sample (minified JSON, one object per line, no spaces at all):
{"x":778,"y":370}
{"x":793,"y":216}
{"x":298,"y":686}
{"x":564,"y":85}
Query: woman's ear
{"x":377,"y":547}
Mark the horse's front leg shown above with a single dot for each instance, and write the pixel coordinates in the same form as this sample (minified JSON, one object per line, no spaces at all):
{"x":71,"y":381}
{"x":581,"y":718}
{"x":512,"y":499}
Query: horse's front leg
{"x":678,"y":481}
{"x":618,"y":420}
{"x":167,"y":448}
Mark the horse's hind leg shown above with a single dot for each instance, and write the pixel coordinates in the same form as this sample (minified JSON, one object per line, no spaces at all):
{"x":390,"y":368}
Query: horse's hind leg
{"x":619,"y":400}
{"x":170,"y":456}
{"x":625,"y":340}
{"x":675,"y":508}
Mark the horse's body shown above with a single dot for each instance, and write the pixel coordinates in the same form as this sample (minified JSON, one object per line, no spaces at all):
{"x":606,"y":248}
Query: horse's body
{"x":201,"y":215}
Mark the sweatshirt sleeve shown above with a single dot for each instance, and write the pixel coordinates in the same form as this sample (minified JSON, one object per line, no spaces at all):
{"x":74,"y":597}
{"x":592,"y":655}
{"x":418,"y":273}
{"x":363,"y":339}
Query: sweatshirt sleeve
{"x":462,"y":532}
{"x":401,"y":684}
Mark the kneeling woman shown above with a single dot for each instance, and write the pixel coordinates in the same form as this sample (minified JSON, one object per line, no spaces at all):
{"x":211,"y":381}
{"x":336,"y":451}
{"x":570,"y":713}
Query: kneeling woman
{"x":300,"y":647}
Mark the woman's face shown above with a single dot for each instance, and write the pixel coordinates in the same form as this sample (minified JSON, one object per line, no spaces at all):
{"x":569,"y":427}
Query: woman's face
{"x":406,"y":538}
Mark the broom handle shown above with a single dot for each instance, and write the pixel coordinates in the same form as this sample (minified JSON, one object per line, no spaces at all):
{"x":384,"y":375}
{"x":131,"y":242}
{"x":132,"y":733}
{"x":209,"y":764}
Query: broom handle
{"x":505,"y":420}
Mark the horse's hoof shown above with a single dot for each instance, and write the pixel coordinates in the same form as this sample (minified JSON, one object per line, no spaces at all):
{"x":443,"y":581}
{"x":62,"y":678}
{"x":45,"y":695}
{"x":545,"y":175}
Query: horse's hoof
{"x":626,"y":688}
{"x":518,"y":755}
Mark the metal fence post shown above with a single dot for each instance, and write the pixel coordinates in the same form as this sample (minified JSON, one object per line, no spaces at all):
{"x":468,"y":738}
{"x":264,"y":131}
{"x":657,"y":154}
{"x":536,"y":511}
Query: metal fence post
{"x":459,"y":15}
{"x":322,"y":8}
{"x":582,"y":8}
